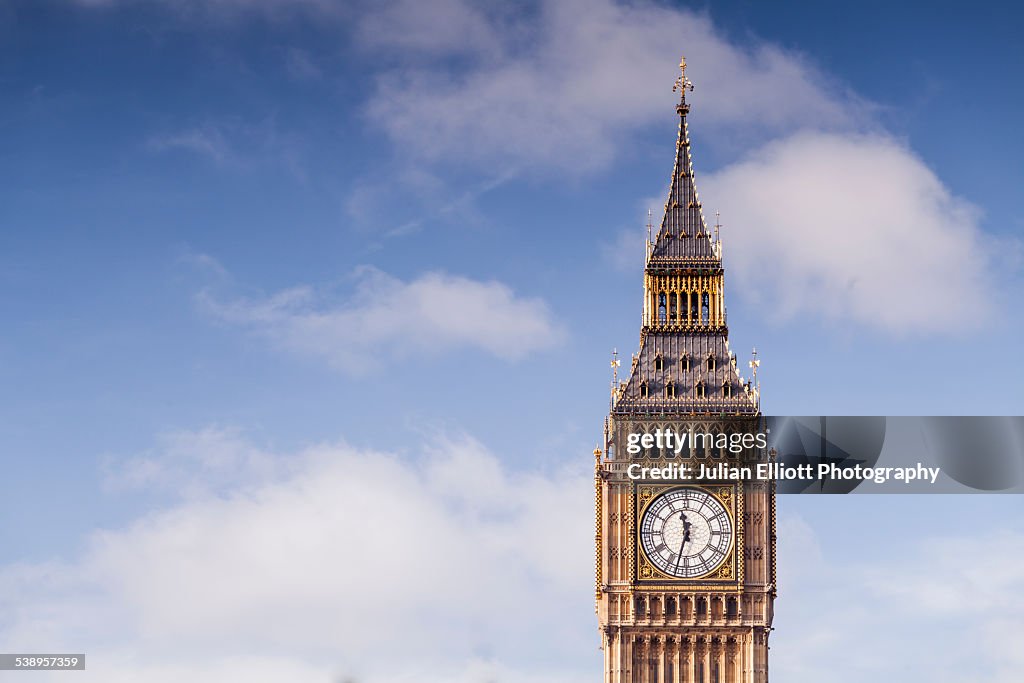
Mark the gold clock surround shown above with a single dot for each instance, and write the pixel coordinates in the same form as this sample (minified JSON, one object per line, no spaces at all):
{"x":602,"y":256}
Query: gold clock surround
{"x":724,"y":577}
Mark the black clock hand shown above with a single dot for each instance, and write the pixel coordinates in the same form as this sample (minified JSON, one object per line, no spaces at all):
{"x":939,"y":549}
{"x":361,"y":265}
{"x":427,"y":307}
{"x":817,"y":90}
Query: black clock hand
{"x":686,"y":537}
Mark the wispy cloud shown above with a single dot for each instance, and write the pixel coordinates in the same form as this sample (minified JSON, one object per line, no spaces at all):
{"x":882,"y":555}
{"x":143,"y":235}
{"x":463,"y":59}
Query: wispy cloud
{"x":371,"y":207}
{"x":207,"y":140}
{"x":196,"y":463}
{"x":237,"y":143}
{"x":389,"y":318}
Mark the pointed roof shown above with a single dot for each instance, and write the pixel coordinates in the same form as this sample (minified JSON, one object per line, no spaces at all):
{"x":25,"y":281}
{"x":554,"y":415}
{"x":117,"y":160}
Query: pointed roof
{"x":683,"y":238}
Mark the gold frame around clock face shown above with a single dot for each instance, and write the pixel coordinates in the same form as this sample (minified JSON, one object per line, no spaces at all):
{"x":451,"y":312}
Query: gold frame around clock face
{"x":702,"y":511}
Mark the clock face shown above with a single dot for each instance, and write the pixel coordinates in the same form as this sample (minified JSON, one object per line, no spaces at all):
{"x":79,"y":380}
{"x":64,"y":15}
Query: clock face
{"x":686,"y":533}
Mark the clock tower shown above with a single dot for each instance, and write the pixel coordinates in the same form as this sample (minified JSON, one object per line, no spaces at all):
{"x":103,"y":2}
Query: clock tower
{"x":685,"y":564}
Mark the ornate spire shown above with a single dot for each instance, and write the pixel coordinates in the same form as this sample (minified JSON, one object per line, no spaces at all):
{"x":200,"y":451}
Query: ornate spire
{"x":685,"y":364}
{"x":683,"y":238}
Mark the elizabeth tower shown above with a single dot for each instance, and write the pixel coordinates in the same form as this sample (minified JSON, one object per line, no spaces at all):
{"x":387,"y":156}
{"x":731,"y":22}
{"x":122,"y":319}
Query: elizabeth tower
{"x":685,"y":566}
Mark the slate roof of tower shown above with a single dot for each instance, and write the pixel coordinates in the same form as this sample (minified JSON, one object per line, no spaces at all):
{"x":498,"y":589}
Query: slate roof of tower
{"x":683,"y":237}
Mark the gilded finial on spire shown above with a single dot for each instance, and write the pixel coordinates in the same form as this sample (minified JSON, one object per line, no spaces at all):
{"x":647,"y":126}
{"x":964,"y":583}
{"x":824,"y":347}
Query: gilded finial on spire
{"x":682,"y":83}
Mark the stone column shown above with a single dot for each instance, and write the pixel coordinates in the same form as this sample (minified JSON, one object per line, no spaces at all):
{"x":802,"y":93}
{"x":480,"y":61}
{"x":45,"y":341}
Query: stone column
{"x":645,"y":661}
{"x":626,"y":659}
{"x":718,"y":303}
{"x":693,"y":643}
{"x":667,"y":655}
{"x":674,"y":658}
{"x":730,"y":660}
{"x":707,"y":659}
{"x":684,"y":659}
{"x":607,"y":647}
{"x":720,"y":661}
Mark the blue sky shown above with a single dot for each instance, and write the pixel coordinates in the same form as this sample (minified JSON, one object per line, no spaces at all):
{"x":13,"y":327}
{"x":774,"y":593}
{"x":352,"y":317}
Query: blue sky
{"x":242,"y":241}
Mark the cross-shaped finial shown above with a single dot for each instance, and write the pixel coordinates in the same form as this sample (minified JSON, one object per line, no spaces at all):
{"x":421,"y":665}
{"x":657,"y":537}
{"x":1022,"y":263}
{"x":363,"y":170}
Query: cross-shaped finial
{"x":682,"y":83}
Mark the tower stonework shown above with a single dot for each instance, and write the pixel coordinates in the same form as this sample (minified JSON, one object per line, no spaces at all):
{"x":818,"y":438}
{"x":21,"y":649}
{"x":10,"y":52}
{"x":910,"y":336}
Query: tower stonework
{"x":685,"y":567}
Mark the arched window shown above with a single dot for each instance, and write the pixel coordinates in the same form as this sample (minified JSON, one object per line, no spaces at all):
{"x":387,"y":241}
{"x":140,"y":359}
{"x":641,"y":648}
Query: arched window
{"x":670,"y":389}
{"x":662,"y":310}
{"x":670,"y":607}
{"x":684,"y":362}
{"x":704,"y":308}
{"x":731,"y":609}
{"x":659,"y":362}
{"x":699,"y":390}
{"x":643,"y":389}
{"x":727,"y":389}
{"x":712,"y":362}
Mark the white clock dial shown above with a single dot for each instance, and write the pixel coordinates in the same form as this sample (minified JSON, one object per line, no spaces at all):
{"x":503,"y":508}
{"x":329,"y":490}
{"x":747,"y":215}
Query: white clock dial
{"x":686,"y":532}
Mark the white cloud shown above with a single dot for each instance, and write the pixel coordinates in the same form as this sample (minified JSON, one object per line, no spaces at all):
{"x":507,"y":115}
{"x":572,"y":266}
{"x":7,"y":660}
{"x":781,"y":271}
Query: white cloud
{"x":932,"y":611}
{"x":351,"y":564}
{"x":565,"y":87}
{"x":345,"y":562}
{"x":389,"y":318}
{"x":854,"y":228}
